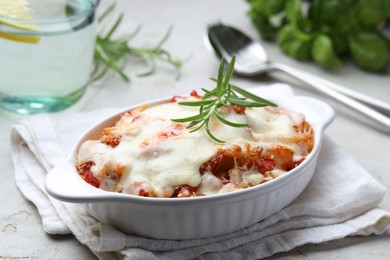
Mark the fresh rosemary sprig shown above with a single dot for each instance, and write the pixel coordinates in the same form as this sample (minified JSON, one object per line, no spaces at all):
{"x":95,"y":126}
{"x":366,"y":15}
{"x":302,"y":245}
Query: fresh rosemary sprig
{"x":224,"y":94}
{"x":111,"y":53}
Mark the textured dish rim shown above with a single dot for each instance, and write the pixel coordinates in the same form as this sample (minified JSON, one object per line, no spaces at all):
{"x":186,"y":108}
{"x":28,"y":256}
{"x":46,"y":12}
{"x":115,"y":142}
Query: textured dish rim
{"x":96,"y":195}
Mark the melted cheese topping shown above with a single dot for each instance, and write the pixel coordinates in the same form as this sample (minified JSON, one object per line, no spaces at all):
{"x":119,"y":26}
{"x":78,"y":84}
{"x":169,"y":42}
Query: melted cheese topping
{"x":147,"y":154}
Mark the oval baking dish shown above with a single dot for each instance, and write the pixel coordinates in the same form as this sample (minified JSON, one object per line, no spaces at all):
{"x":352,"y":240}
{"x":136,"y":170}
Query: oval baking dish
{"x":192,"y":217}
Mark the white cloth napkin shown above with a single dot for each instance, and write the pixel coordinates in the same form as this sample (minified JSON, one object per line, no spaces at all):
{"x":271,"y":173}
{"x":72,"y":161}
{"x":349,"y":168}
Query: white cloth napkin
{"x":341,"y":200}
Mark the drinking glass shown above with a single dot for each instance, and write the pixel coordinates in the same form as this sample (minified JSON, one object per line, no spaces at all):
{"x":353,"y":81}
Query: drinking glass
{"x":46,"y":58}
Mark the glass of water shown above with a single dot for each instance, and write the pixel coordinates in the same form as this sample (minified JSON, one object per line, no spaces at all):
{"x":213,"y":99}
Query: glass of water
{"x":46,"y":54}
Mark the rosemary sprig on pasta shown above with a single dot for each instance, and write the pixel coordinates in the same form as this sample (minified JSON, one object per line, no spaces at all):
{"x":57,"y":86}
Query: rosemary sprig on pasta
{"x":224,"y":94}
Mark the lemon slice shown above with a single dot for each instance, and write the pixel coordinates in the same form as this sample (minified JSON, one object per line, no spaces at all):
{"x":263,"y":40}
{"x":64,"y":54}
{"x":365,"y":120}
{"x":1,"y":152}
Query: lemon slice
{"x":19,"y":38}
{"x":12,"y":13}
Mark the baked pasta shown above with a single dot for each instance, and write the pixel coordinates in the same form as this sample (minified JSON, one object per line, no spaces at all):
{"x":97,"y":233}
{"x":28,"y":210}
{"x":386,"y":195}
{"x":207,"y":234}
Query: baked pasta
{"x":147,"y":154}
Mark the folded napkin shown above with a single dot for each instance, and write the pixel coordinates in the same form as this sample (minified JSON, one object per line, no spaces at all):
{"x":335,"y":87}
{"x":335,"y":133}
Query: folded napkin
{"x":341,"y":200}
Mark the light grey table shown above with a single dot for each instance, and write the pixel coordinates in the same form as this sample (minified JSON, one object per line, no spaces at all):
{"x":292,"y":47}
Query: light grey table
{"x":21,"y":234}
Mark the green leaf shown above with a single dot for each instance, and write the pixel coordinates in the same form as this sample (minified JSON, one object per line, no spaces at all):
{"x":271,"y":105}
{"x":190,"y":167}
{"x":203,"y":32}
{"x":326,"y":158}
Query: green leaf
{"x":323,"y":52}
{"x":244,"y":103}
{"x":348,"y":23}
{"x":267,"y":16}
{"x":340,"y":43}
{"x":99,"y":52}
{"x":229,"y":74}
{"x":196,"y":103}
{"x":211,"y":93}
{"x":295,"y":42}
{"x":106,"y":12}
{"x":187,"y":119}
{"x":193,"y":123}
{"x":114,"y":27}
{"x":163,"y":39}
{"x":369,"y":51}
{"x":327,"y":12}
{"x":210,"y":134}
{"x":372,"y":12}
{"x":252,"y":96}
{"x":227,"y":122}
{"x":262,"y":24}
{"x":294,"y":11}
{"x":294,"y":14}
{"x":267,"y":7}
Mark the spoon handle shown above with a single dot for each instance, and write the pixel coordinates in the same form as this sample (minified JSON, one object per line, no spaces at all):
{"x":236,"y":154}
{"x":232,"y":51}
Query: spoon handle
{"x":376,"y":104}
{"x":330,"y":89}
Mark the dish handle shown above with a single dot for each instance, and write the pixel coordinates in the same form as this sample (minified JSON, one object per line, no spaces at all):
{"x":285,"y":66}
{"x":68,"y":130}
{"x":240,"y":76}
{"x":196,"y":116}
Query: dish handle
{"x":318,"y":112}
{"x":63,"y":183}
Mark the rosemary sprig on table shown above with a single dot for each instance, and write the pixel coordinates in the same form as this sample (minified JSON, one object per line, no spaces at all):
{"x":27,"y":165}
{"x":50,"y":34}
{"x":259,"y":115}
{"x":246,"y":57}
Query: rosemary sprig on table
{"x":111,"y":53}
{"x":222,"y":95}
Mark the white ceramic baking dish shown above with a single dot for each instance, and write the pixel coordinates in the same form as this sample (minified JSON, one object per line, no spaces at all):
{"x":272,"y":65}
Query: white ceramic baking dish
{"x":194,"y":217}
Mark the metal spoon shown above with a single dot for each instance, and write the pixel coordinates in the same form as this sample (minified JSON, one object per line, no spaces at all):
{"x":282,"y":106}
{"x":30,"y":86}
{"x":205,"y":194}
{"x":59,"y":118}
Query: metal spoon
{"x":251,"y":60}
